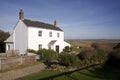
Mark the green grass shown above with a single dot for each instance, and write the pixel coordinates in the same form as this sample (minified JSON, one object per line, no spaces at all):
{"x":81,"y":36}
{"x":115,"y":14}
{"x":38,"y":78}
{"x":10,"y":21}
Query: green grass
{"x":93,"y":73}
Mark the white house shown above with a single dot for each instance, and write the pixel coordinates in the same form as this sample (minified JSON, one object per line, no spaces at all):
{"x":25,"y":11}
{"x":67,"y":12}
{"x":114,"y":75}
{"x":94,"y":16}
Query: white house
{"x":29,"y":34}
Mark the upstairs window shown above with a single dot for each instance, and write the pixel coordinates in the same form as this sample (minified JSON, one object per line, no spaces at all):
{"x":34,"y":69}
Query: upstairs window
{"x":40,"y":33}
{"x":40,"y":46}
{"x":58,"y":35}
{"x":50,"y":34}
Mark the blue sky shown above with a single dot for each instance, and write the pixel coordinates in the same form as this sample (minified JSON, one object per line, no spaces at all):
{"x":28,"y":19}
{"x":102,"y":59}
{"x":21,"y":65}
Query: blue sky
{"x":80,"y":19}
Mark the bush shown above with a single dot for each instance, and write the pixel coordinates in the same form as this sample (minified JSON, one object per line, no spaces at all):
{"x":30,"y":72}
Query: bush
{"x":67,"y":49}
{"x":95,"y":46}
{"x":114,"y":59}
{"x":86,"y":54}
{"x":100,"y":56}
{"x":47,"y":55}
{"x":68,"y":59}
{"x":117,"y":46}
{"x":31,"y":51}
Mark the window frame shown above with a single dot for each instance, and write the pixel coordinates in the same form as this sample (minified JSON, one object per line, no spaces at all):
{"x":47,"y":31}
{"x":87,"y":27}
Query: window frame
{"x":40,"y":33}
{"x":50,"y":34}
{"x":58,"y":35}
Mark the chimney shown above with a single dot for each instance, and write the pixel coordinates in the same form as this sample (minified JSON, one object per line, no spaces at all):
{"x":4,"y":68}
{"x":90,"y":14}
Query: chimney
{"x":21,"y":15}
{"x":55,"y":23}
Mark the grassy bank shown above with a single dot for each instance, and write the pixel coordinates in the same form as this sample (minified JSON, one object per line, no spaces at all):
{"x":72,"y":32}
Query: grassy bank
{"x":92,"y":73}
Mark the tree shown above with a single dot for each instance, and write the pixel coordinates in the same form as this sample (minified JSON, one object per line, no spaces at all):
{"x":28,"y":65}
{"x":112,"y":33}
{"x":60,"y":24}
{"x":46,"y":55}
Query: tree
{"x":3,"y":37}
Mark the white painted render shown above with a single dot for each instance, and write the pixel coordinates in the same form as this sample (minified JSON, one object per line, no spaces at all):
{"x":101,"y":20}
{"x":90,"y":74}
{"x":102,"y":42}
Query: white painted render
{"x":9,"y":43}
{"x":34,"y":40}
{"x":21,"y":37}
{"x":26,"y":37}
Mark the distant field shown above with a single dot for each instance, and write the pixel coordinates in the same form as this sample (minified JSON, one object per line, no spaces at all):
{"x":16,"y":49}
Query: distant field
{"x":93,"y":73}
{"x":105,"y":45}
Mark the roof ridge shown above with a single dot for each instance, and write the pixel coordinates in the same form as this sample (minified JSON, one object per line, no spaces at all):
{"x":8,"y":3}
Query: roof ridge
{"x":39,"y":21}
{"x":39,"y":24}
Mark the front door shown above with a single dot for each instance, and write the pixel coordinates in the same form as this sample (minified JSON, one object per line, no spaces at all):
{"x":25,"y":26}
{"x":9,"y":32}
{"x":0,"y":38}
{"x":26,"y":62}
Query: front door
{"x":57,"y":48}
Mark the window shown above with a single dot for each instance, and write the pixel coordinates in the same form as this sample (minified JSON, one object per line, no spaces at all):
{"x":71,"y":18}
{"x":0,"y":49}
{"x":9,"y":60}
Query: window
{"x":40,"y":46}
{"x":50,"y":34}
{"x":39,"y":33}
{"x":58,"y":35}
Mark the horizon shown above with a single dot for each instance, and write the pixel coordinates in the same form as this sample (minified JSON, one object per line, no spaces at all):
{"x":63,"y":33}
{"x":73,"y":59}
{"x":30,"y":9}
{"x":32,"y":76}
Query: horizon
{"x":80,"y":19}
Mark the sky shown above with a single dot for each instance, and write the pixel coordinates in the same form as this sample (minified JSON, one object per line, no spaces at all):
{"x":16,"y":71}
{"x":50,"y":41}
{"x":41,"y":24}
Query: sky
{"x":79,"y":19}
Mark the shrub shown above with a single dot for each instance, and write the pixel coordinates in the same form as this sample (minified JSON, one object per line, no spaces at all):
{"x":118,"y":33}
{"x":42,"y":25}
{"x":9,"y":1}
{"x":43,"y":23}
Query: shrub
{"x":67,"y":49}
{"x":100,"y":56}
{"x":31,"y":51}
{"x":114,"y":59}
{"x":68,"y":59}
{"x":86,"y":54}
{"x":117,"y":46}
{"x":95,"y":46}
{"x":47,"y":55}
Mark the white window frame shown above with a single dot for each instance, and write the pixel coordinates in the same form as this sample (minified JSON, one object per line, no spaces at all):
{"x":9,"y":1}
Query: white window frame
{"x":40,"y":33}
{"x":58,"y":35}
{"x":50,"y":34}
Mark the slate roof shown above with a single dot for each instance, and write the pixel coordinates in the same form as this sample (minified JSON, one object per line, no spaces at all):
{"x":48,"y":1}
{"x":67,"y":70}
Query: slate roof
{"x":31,"y":23}
{"x":10,"y":39}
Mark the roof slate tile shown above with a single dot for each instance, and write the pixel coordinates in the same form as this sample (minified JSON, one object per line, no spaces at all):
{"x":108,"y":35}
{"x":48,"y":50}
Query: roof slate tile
{"x":31,"y":23}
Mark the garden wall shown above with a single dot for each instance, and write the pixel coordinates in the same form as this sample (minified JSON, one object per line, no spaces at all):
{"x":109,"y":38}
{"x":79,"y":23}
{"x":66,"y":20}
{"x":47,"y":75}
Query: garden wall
{"x":14,"y":74}
{"x":15,"y":61}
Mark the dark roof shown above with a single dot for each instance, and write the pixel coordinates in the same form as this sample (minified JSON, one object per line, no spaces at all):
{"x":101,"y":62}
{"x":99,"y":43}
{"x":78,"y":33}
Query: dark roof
{"x":40,"y":25}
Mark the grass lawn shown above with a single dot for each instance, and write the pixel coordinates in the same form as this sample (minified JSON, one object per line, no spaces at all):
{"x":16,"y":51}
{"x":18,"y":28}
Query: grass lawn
{"x":92,"y":73}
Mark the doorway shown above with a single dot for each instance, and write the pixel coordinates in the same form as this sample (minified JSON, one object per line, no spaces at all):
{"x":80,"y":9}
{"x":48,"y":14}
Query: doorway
{"x":8,"y":47}
{"x":57,"y":48}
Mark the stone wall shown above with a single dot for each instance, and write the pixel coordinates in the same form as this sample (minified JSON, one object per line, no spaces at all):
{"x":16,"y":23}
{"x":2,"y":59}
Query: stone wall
{"x":15,"y":61}
{"x":15,"y":74}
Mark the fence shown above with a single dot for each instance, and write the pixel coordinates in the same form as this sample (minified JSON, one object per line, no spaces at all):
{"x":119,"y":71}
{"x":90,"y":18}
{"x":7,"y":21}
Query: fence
{"x":15,"y":61}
